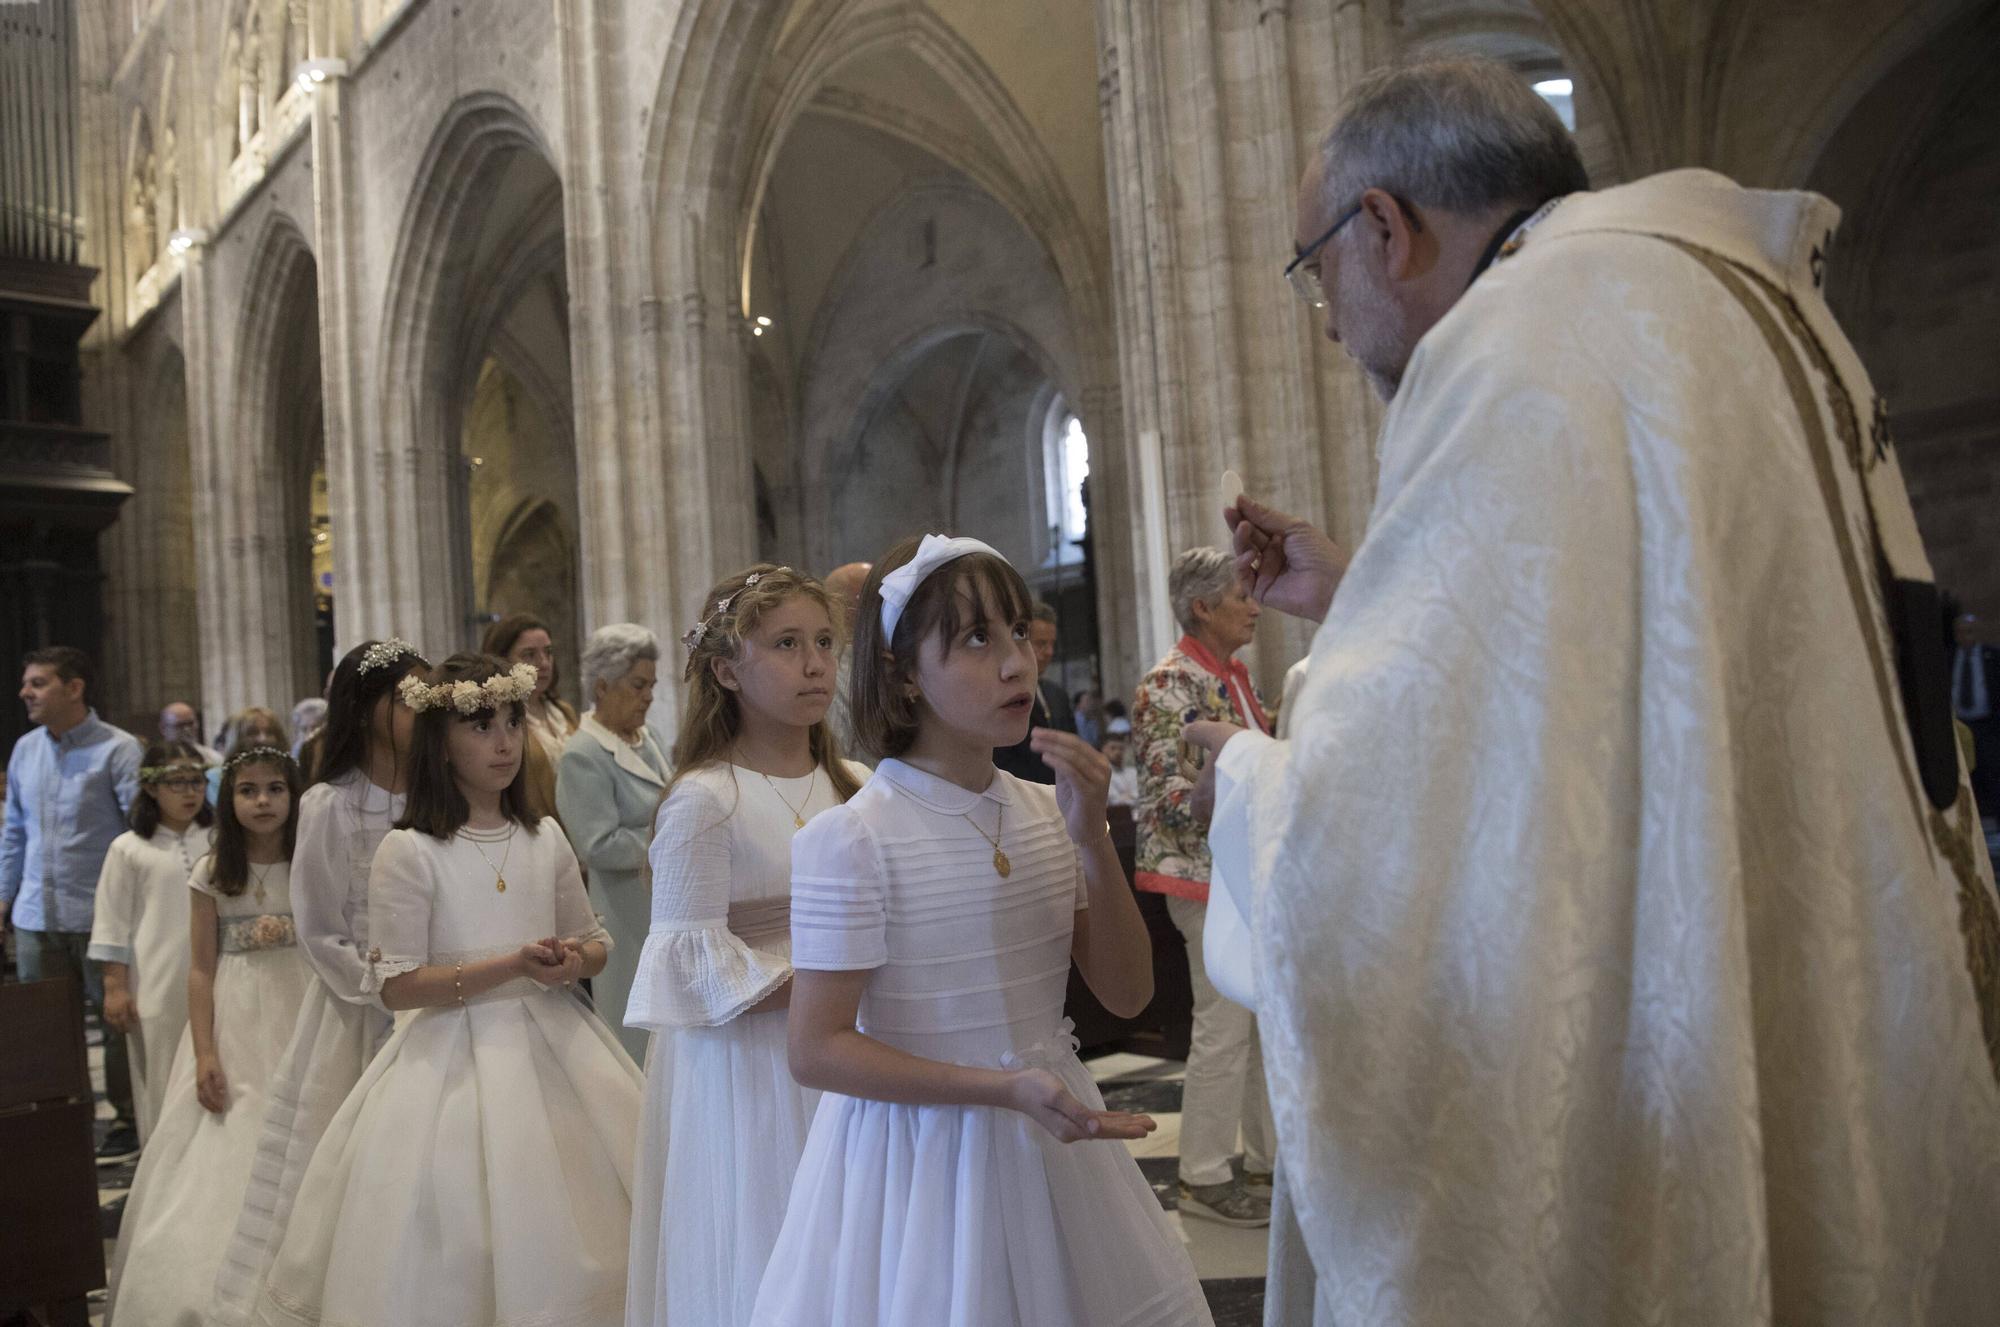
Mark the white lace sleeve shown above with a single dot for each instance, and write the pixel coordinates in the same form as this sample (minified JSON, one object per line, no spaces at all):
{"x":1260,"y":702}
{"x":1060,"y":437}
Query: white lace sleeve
{"x":695,"y":971}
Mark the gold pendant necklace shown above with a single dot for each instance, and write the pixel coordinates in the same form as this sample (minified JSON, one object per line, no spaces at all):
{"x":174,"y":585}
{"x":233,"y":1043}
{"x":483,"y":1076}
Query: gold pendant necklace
{"x":798,"y":812}
{"x":1000,"y":862}
{"x":500,"y":871}
{"x":260,"y":877}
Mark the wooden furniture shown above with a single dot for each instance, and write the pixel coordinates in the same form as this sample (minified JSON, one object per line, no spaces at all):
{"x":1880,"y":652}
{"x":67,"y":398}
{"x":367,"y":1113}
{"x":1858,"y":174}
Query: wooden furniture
{"x":51,"y":1237}
{"x":1162,"y":1027}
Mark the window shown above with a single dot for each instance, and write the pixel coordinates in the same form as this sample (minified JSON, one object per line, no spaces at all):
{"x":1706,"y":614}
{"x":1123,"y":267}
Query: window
{"x":1559,"y":92}
{"x":1066,"y":464}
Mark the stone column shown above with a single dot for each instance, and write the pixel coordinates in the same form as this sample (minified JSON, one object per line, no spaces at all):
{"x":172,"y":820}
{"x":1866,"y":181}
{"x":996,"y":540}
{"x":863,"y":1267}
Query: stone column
{"x":389,"y":575}
{"x":1210,"y":109}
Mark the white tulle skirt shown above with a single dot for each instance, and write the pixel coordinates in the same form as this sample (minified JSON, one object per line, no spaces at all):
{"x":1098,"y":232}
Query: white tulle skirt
{"x":971,"y":1216}
{"x":331,"y":1045}
{"x":479,"y":1173}
{"x":723,"y":1130}
{"x":196,"y":1167}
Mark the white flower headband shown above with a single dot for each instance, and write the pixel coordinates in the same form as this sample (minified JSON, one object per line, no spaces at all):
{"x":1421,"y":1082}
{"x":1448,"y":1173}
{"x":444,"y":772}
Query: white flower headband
{"x":899,"y":585}
{"x":469,"y":697}
{"x":383,"y":653}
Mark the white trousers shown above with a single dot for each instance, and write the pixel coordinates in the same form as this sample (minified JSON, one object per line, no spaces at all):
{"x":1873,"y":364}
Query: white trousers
{"x":1225,"y":1072}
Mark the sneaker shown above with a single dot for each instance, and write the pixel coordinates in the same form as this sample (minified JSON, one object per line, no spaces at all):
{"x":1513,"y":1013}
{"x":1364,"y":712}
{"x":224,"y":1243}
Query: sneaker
{"x":119,"y":1145}
{"x":1258,"y":1183}
{"x":1230,"y":1202}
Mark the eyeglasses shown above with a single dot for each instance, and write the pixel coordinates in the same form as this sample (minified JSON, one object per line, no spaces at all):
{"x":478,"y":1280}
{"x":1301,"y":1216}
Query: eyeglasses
{"x":1305,"y":280}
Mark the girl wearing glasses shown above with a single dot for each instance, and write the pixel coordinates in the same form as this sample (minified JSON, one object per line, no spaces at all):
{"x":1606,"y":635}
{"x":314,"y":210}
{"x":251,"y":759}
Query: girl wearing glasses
{"x":139,"y":937}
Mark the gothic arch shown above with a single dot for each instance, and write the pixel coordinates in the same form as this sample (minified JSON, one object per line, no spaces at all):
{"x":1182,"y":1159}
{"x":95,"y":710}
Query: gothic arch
{"x":460,"y":264}
{"x":707,"y":163}
{"x":278,"y":432}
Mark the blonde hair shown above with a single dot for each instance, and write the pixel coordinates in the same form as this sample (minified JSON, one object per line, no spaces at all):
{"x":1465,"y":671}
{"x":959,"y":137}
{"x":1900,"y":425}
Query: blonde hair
{"x":711,"y":714}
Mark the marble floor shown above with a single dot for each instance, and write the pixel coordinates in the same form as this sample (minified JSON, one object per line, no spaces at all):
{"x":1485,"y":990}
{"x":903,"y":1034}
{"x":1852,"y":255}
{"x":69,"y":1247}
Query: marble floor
{"x":1229,"y":1261}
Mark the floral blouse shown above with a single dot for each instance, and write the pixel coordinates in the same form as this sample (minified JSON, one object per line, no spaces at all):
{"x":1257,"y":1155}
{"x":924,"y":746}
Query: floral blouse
{"x":1189,"y":684}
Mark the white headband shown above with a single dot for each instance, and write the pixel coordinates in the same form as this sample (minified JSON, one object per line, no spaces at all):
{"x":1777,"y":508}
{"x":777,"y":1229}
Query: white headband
{"x":900,"y":584}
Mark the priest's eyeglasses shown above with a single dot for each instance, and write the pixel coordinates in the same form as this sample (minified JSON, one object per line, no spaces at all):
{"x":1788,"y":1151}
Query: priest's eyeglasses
{"x":1305,"y":279}
{"x":1303,"y":271}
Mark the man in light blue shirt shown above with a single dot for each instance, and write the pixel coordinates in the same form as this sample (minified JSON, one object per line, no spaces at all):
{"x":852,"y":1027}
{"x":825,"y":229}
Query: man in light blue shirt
{"x":70,"y":785}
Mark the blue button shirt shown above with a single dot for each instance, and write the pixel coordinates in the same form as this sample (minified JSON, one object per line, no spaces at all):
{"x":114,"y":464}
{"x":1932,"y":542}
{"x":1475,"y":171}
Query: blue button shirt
{"x":67,"y":798}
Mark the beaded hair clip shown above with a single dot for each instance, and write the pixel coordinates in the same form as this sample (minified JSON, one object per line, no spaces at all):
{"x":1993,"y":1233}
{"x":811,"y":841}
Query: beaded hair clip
{"x":383,"y":653}
{"x":694,"y":635}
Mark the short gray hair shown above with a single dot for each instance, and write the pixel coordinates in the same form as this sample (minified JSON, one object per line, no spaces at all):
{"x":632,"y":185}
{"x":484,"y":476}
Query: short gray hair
{"x":1465,"y":136}
{"x":611,"y":651}
{"x":1199,"y":573}
{"x":1043,"y":611}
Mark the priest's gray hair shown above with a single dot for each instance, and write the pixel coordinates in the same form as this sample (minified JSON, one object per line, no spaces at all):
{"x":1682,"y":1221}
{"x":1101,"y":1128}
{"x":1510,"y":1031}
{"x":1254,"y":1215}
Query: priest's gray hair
{"x":612,"y":650}
{"x":1465,"y":136}
{"x":1199,"y":573}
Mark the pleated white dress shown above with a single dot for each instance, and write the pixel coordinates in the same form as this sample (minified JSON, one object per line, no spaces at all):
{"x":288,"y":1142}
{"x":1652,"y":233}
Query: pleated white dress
{"x":959,"y":1216}
{"x":196,"y":1167}
{"x":141,"y":920}
{"x":724,"y":1120}
{"x":339,"y":1028}
{"x":481,"y":1170}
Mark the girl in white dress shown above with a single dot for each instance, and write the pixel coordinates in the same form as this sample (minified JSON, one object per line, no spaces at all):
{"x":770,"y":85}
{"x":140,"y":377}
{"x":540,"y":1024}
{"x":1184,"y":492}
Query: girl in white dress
{"x":139,"y":931}
{"x":724,"y":1120}
{"x":481,"y":1171}
{"x":245,"y":981}
{"x":364,"y":759}
{"x":966,"y":1173}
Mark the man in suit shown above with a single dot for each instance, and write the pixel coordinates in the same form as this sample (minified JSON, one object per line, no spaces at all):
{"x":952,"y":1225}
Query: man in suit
{"x":1051,"y":705}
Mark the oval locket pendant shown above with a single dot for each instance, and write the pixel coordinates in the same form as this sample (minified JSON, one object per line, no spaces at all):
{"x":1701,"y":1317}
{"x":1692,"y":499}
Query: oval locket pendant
{"x":1001,"y":864}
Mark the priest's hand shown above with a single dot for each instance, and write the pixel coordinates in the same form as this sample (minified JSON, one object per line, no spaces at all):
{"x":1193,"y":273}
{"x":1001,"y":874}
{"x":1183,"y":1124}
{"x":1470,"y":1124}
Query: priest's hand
{"x":1283,"y":562}
{"x":1208,"y":736}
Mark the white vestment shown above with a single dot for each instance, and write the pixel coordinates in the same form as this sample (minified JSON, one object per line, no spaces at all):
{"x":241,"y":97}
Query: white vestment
{"x":1610,"y":966}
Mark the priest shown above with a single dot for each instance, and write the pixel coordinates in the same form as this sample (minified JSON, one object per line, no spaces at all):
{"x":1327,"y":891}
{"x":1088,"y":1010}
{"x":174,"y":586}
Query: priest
{"x":1620,"y":930}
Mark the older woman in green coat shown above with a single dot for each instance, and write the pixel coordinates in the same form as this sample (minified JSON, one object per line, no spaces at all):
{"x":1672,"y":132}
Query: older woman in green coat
{"x":612,"y":775}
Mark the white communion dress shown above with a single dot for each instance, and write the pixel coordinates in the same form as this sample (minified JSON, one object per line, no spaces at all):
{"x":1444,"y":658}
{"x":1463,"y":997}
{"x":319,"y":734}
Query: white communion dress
{"x":724,"y":1120}
{"x":481,"y":1170}
{"x":339,"y":1028}
{"x":141,"y":920}
{"x":196,"y":1167}
{"x":959,"y":1216}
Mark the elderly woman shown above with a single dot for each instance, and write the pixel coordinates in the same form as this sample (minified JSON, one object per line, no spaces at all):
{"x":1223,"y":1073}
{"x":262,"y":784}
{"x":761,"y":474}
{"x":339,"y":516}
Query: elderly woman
{"x":612,"y":775}
{"x":1201,"y":679}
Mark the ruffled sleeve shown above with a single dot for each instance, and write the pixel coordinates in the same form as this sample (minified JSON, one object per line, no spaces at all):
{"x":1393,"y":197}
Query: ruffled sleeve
{"x":400,"y":885}
{"x":839,"y":895}
{"x":694,"y":970}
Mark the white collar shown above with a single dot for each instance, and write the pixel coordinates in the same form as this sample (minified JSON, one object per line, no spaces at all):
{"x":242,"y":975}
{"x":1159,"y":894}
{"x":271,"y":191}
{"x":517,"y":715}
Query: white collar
{"x":624,"y":753}
{"x":942,"y":794}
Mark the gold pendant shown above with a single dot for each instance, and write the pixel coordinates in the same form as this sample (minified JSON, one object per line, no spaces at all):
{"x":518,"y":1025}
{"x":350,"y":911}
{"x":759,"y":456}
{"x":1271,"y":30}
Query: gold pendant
{"x":1001,"y":864}
{"x":501,"y":884}
{"x":798,"y":821}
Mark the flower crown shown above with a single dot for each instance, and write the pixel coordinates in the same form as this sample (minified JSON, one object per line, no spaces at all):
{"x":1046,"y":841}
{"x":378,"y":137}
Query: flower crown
{"x":383,"y":653}
{"x":469,"y":697}
{"x":255,"y":755}
{"x":695,"y":634}
{"x":161,"y":773}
